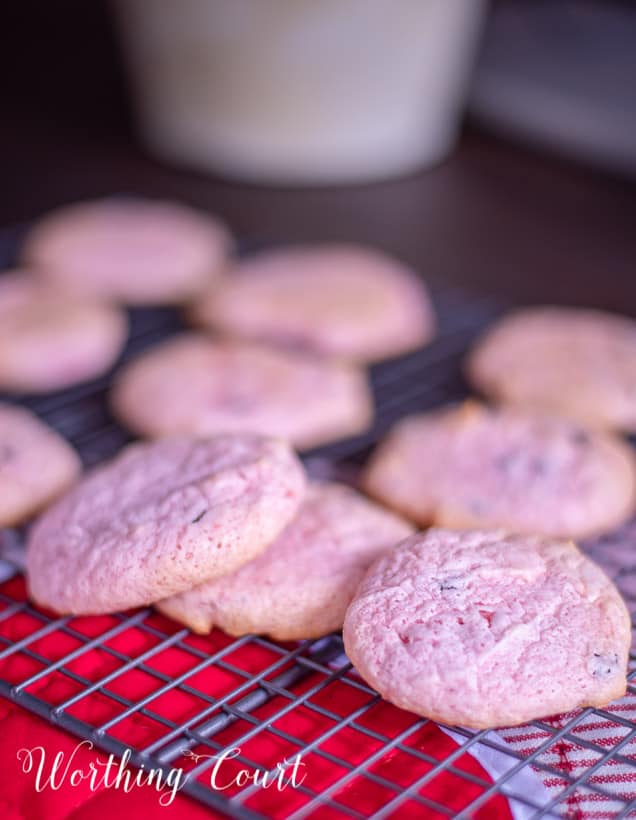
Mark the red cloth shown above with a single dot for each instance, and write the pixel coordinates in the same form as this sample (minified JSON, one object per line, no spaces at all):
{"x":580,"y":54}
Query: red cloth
{"x":20,"y":801}
{"x":22,"y":730}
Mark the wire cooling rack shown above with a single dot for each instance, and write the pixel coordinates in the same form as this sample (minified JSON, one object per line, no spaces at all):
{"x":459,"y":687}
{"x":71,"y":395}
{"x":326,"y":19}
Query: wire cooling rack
{"x":137,"y":684}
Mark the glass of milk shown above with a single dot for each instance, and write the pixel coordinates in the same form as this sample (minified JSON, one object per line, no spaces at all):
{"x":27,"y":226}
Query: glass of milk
{"x":301,"y":91}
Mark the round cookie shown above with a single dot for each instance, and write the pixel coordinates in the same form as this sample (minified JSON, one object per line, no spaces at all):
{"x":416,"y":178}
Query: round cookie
{"x":36,"y":465}
{"x":485,"y":629}
{"x":129,"y":250}
{"x":341,"y":300}
{"x":575,"y":362}
{"x":49,"y":341}
{"x":469,"y":466}
{"x":160,"y":518}
{"x":302,"y":584}
{"x":192,"y":384}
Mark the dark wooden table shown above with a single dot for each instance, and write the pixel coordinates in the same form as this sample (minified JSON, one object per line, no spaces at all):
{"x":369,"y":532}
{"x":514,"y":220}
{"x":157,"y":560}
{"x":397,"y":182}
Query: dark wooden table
{"x":494,"y":216}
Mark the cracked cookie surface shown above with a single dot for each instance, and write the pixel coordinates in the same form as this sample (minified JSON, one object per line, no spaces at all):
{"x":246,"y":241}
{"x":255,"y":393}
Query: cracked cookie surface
{"x":160,"y":518}
{"x":486,"y":629}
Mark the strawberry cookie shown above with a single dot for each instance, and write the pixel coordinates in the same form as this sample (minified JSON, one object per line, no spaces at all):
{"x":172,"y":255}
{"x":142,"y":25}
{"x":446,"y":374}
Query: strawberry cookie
{"x":575,"y":362}
{"x":485,"y":629}
{"x":469,"y":466}
{"x":341,"y":300}
{"x":50,"y":340}
{"x":129,"y":250}
{"x":193,"y":384}
{"x":36,"y":465}
{"x":161,"y":518}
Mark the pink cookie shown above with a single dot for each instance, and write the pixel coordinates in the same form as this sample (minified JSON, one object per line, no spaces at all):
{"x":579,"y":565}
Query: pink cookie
{"x":471,"y":467}
{"x":579,"y":363}
{"x":161,"y":518}
{"x":340,"y":300}
{"x":192,"y":384}
{"x":485,"y":629}
{"x":49,"y":340}
{"x":129,"y":250}
{"x":36,"y":465}
{"x":301,"y":585}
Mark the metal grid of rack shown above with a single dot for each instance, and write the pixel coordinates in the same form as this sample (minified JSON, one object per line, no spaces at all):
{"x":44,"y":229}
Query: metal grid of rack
{"x":139,"y":682}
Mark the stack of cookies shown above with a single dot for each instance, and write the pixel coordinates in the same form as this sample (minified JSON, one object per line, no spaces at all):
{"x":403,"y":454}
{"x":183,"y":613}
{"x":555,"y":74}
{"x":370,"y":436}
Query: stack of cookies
{"x":490,"y":616}
{"x":223,"y":531}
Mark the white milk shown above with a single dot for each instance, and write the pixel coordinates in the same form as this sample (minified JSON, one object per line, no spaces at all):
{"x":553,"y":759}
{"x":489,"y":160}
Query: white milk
{"x":300,"y":91}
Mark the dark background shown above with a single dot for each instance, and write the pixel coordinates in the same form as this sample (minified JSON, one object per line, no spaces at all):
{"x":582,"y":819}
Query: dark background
{"x":496,"y":215}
